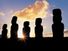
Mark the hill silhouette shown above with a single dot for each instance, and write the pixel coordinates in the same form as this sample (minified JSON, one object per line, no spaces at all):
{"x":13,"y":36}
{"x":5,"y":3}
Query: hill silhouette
{"x":33,"y":43}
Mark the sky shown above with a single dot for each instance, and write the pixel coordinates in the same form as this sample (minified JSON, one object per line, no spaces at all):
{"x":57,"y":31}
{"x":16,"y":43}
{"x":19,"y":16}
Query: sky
{"x":29,"y":10}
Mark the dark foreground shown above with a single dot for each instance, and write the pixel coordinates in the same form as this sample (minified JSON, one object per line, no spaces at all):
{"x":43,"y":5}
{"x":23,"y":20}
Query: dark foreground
{"x":34,"y":43}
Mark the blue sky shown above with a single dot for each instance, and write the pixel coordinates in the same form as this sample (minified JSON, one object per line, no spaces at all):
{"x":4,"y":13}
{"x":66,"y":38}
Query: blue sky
{"x":62,"y":4}
{"x":14,"y":4}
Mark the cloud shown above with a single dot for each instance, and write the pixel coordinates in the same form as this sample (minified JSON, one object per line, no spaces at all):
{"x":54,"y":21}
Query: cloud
{"x":38,"y":9}
{"x":2,"y":14}
{"x":65,"y":30}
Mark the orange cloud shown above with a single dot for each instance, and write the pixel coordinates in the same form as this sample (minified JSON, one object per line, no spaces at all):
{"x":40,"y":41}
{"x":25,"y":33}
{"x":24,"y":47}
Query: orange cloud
{"x":38,"y":9}
{"x":2,"y":14}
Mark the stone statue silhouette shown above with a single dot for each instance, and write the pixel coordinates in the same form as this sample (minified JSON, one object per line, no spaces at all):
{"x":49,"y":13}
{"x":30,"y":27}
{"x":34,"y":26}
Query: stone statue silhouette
{"x":38,"y":28}
{"x":57,"y":26}
{"x":26,"y":29}
{"x":14,"y":28}
{"x":4,"y":31}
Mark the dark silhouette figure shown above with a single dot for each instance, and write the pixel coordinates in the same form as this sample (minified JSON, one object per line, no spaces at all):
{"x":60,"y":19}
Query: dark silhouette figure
{"x":38,"y":28}
{"x":38,"y":32}
{"x":26,"y":33}
{"x":26,"y":29}
{"x":4,"y":31}
{"x":57,"y":26}
{"x":14,"y":28}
